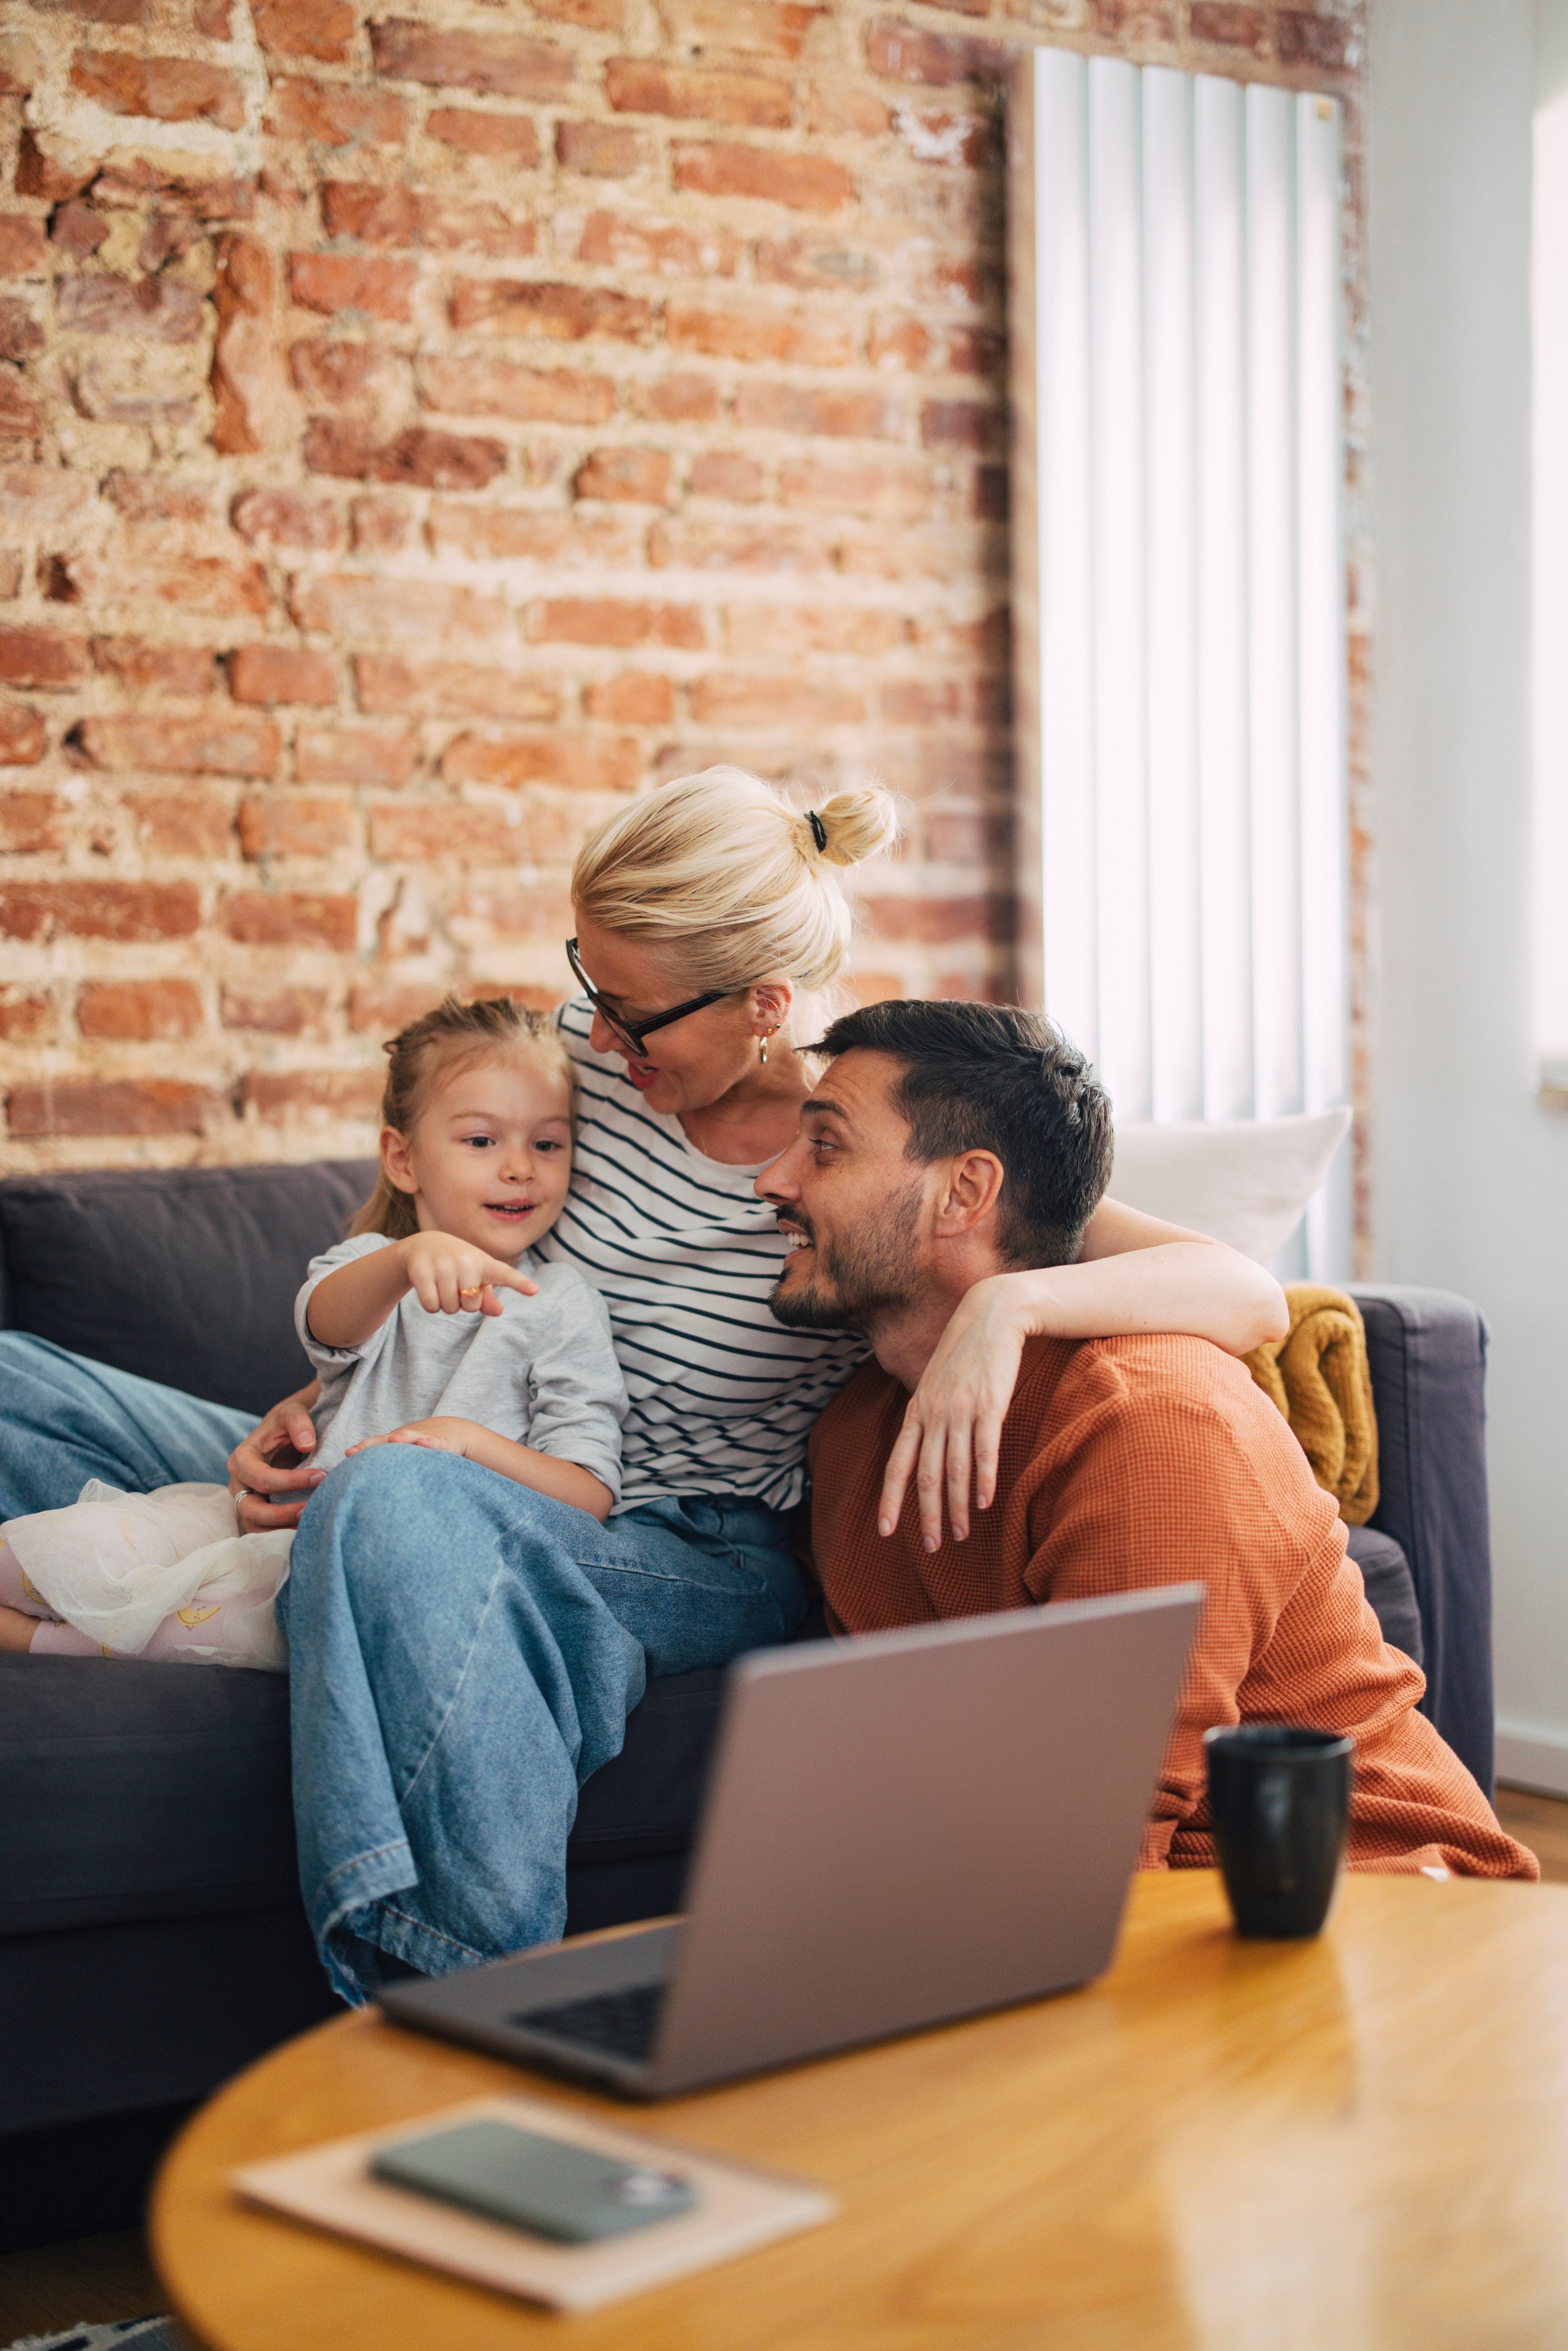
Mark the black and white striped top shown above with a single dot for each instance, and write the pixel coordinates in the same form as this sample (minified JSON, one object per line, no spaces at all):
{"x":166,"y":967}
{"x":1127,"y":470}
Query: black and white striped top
{"x":686,"y":1256}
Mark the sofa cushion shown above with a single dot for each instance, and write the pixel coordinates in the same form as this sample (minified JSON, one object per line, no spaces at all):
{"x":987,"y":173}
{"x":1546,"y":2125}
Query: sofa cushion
{"x":186,"y":1275}
{"x":133,"y":1791}
{"x":1386,"y":1572}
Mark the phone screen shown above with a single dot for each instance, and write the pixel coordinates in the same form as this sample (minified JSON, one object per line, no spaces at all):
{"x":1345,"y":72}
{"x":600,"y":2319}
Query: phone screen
{"x":544,"y":2185}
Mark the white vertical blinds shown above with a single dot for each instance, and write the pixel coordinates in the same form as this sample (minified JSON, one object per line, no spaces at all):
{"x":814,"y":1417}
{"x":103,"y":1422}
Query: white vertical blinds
{"x":1180,"y":587}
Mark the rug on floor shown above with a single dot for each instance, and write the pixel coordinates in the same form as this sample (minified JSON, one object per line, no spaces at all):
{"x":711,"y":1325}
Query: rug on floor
{"x":116,"y":2335}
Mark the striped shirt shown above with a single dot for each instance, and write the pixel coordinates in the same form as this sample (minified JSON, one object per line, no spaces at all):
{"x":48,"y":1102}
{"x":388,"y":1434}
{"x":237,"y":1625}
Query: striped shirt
{"x":686,"y":1256}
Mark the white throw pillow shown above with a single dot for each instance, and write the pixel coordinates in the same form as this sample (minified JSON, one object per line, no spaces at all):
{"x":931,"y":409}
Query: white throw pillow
{"x":1245,"y":1181}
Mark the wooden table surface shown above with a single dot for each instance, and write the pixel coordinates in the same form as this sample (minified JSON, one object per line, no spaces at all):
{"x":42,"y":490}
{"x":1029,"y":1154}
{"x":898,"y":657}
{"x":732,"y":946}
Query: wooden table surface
{"x":1356,"y":2144}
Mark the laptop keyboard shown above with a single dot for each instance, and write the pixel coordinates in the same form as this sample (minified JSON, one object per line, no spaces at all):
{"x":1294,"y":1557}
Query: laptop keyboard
{"x":621,"y":2023}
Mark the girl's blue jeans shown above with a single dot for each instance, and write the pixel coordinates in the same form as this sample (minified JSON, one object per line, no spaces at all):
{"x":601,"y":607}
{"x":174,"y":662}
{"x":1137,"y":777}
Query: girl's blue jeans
{"x":462,"y":1652}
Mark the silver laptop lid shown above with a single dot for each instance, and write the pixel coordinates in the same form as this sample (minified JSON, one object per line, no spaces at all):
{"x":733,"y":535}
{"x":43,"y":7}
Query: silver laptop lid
{"x":919,"y":1824}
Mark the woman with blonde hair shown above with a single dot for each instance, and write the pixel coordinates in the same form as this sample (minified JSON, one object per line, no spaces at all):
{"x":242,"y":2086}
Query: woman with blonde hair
{"x":444,"y":1719}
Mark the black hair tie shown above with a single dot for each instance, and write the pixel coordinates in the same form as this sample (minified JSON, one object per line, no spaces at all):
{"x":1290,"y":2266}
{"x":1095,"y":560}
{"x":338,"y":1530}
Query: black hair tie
{"x":819,"y":829}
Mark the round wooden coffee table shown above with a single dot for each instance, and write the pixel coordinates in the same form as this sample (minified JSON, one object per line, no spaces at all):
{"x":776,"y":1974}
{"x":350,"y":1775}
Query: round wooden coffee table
{"x":1357,"y":2144}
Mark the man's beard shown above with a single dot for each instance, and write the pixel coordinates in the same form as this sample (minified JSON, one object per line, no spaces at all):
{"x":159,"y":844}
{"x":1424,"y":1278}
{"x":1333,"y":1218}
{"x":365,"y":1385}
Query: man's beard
{"x":860,"y":1279}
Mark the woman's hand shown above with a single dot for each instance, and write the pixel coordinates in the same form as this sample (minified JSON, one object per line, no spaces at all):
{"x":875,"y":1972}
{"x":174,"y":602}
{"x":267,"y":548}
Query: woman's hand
{"x":953,"y":1422}
{"x":444,"y":1434}
{"x":255,"y":1472}
{"x":452,"y":1277}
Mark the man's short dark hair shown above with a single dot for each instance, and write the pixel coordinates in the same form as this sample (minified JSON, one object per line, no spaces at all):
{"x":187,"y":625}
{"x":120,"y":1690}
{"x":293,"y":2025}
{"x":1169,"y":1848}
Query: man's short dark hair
{"x":990,"y":1077}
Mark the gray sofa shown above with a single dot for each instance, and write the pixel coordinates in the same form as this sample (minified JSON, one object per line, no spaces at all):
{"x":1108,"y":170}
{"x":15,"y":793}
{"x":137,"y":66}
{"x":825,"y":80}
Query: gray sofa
{"x":152,"y":1939}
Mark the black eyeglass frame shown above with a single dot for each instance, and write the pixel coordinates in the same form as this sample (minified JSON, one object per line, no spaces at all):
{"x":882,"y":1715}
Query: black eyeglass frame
{"x":634,"y":1033}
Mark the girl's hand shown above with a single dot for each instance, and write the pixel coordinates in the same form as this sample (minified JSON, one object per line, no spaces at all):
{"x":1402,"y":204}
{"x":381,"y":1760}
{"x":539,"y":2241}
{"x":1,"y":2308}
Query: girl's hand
{"x":452,"y":1277}
{"x":953,"y":1422}
{"x":444,"y":1434}
{"x":255,"y":1472}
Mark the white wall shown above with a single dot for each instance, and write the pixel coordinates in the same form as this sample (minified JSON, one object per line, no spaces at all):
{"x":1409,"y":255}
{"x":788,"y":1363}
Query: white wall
{"x":1471,"y":1174}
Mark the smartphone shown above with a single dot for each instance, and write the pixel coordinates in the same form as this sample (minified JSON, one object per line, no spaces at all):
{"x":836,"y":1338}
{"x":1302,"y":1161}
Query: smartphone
{"x":544,"y":2185}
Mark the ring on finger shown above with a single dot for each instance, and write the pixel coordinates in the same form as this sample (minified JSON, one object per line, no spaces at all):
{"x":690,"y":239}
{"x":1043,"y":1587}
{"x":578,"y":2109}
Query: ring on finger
{"x":473,"y":1293}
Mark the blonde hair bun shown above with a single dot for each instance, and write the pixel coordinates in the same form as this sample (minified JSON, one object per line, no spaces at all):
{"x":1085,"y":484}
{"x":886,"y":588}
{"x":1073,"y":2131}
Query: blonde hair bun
{"x":855,"y":825}
{"x":724,"y":871}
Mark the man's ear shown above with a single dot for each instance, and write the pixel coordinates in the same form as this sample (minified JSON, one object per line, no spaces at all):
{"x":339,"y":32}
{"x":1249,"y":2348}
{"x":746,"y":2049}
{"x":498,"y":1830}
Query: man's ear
{"x":394,"y":1161}
{"x":968,"y":1196}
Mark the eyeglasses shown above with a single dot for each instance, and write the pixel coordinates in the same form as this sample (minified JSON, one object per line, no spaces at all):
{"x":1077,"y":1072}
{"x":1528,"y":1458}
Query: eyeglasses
{"x":631,"y":1033}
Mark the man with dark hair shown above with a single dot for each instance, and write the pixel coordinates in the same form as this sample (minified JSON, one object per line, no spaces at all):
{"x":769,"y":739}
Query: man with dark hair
{"x":949,"y":1143}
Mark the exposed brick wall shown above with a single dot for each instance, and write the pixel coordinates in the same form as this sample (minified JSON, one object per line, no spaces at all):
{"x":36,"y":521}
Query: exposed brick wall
{"x":419,"y":430}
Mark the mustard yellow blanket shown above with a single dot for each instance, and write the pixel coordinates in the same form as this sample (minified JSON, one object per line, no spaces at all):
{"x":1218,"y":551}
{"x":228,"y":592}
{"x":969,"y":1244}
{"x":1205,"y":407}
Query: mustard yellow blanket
{"x":1318,"y":1376}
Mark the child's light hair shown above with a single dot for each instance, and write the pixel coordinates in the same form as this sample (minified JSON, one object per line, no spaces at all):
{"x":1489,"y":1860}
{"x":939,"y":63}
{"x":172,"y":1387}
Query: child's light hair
{"x":453,"y":1036}
{"x":722,"y":869}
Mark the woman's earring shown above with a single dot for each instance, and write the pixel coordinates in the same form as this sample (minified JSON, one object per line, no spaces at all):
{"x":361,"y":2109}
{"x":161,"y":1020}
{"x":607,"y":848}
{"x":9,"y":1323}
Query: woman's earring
{"x":762,"y":1048}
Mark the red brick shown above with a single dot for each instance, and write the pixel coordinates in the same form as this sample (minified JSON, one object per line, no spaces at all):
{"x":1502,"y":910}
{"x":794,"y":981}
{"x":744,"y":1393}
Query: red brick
{"x":432,"y":461}
{"x":223,"y":745}
{"x":139,"y":572}
{"x":31,"y":821}
{"x":156,"y":669}
{"x":156,"y":497}
{"x":1229,"y":26}
{"x":814,"y":258}
{"x":503,"y":138}
{"x":108,"y":12}
{"x":214,"y":18}
{"x":798,"y":408}
{"x":937,"y":135}
{"x":386,"y":1005}
{"x":502,"y":912}
{"x":21,"y":414}
{"x":565,"y":313}
{"x":991,"y":501}
{"x":961,"y":424}
{"x":24,"y":247}
{"x":644,"y":86}
{"x":21,"y":335}
{"x":380,"y":526}
{"x":42,"y":657}
{"x":351,"y":608}
{"x":182,"y":824}
{"x":724,"y":474}
{"x":331,"y":282}
{"x":291,"y":918}
{"x":314,"y":1095}
{"x":931,"y":920}
{"x":130,"y":912}
{"x":280,"y":1011}
{"x":448,"y":832}
{"x":40,"y":172}
{"x":295,"y":824}
{"x":110,"y":1106}
{"x":451,"y":690}
{"x":490,"y":533}
{"x":322,"y":29}
{"x":247,"y":377}
{"x":807,"y":183}
{"x":27,"y":1017}
{"x":535,"y":999}
{"x":900,"y":487}
{"x":1302,"y":39}
{"x":607,"y":621}
{"x":763,"y":545}
{"x":908,"y":53}
{"x":682,"y":399}
{"x":337,"y":114}
{"x":171,"y":90}
{"x":334,"y":370}
{"x":638,"y":476}
{"x":164,"y":310}
{"x":899,"y":341}
{"x":286,"y":518}
{"x":354,"y":755}
{"x":576,"y":761}
{"x":404,"y":215}
{"x":778,"y":629}
{"x":642,"y":244}
{"x":731,"y":331}
{"x":486,"y":387}
{"x":602,"y":151}
{"x":772,"y":28}
{"x":143,"y":1009}
{"x":794,"y":701}
{"x":501,"y":65}
{"x":635,"y":699}
{"x":23,"y":736}
{"x":273,"y":674}
{"x":922,"y":702}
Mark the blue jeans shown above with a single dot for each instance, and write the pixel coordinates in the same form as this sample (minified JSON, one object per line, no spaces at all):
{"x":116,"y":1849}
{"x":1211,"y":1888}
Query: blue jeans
{"x":462,"y":1652}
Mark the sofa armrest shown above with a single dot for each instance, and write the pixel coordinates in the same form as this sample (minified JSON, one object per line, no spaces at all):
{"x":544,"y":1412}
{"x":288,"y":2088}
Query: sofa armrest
{"x":1427,"y":1353}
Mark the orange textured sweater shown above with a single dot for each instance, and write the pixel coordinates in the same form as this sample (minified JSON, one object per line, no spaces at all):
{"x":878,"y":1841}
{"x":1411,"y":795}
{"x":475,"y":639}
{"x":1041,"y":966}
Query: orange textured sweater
{"x":1133,"y":1462}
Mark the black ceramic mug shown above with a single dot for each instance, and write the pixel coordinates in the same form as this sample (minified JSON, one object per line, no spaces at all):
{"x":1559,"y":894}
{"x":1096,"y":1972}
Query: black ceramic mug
{"x":1279,"y":1797}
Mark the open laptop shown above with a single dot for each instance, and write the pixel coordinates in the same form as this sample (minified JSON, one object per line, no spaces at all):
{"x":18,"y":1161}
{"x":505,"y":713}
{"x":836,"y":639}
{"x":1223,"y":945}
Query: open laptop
{"x":899,"y":1830}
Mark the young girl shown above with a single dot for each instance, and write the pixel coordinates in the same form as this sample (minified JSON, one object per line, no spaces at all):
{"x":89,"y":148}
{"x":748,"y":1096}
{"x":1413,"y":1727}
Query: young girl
{"x":432,"y":1324}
